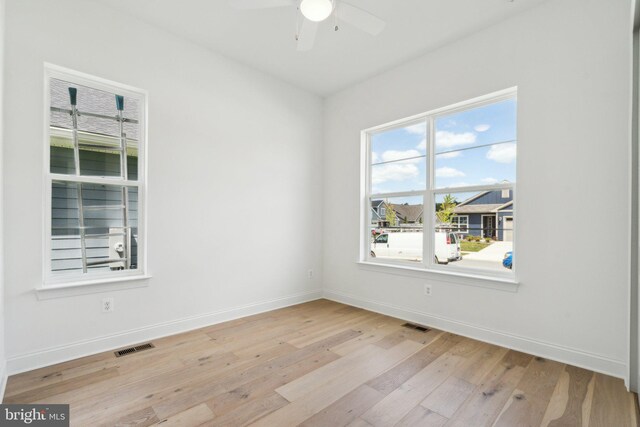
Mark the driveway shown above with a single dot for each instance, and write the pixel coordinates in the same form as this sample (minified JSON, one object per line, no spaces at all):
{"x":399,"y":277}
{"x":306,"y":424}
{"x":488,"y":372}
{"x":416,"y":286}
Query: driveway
{"x":494,"y":252}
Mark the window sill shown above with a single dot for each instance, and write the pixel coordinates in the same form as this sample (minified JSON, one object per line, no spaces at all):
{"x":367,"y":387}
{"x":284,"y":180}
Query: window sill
{"x":507,"y":284}
{"x":93,"y":286}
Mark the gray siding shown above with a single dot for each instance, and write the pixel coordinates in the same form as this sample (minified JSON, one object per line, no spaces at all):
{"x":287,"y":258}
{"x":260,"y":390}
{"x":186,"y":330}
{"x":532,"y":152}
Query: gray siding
{"x":492,"y":197}
{"x":65,"y":244}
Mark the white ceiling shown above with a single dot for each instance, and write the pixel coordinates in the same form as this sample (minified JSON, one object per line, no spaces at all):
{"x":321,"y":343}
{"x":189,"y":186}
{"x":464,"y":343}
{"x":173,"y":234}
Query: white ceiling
{"x":264,"y":39}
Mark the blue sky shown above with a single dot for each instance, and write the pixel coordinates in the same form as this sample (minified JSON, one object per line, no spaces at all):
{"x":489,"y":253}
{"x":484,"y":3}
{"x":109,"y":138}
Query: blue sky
{"x":473,"y":147}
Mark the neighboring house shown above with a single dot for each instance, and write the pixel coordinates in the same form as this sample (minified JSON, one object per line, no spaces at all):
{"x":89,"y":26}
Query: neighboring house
{"x":487,"y":214}
{"x":405,"y":214}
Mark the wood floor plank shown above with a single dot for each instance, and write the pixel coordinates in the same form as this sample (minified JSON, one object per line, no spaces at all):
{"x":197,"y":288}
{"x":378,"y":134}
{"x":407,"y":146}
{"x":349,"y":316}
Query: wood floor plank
{"x":573,"y":392}
{"x":358,"y":422}
{"x":268,"y":382}
{"x":284,"y":368}
{"x":141,"y":418}
{"x":319,"y":397}
{"x":474,"y":372}
{"x":401,"y":401}
{"x":195,"y":415}
{"x":528,"y":402}
{"x":486,"y":402}
{"x":343,"y":366}
{"x":195,"y":383}
{"x":393,"y":378}
{"x":370,"y":334}
{"x":42,"y":394}
{"x":253,"y":410}
{"x":422,"y":417}
{"x":612,"y":405}
{"x":404,"y":333}
{"x":448,"y":397}
{"x":347,"y":409}
{"x":381,"y":374}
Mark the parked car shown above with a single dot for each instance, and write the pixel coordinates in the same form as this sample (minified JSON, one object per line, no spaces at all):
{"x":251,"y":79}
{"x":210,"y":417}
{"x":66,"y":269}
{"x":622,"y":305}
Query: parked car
{"x":507,"y":261}
{"x":408,"y":246}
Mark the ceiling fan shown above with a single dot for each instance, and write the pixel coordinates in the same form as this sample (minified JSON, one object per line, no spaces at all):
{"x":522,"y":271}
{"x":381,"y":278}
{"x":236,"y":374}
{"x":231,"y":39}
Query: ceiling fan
{"x":315,"y":11}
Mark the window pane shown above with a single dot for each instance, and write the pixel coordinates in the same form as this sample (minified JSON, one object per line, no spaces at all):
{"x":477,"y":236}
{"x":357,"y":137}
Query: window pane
{"x":482,"y":227}
{"x":398,"y":159}
{"x":397,"y":233}
{"x":99,"y":138}
{"x":476,"y":146}
{"x":104,"y":226}
{"x":101,"y":159}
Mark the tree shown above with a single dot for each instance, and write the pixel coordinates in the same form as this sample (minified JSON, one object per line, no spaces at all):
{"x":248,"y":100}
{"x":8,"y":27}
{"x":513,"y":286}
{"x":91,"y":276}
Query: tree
{"x":390,"y":214}
{"x":445,"y":211}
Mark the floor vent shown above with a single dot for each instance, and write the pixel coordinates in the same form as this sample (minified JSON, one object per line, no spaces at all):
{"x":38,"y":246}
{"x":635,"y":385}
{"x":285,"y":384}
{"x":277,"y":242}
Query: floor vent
{"x":416,"y":327}
{"x":135,"y":349}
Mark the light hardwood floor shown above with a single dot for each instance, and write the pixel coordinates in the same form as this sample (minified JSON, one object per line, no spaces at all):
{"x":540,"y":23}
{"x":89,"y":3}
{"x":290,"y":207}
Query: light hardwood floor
{"x":326,"y":364}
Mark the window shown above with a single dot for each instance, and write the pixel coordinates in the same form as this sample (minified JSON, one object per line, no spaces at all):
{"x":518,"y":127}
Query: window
{"x":95,"y":171}
{"x":459,"y":163}
{"x":460,"y":223}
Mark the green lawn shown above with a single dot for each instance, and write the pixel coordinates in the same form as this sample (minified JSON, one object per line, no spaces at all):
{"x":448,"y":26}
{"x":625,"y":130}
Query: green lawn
{"x":472,"y":246}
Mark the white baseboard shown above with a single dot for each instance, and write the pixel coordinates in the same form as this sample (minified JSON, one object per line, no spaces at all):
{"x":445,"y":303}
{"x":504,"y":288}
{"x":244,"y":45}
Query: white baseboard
{"x":58,"y":354}
{"x":594,"y":362}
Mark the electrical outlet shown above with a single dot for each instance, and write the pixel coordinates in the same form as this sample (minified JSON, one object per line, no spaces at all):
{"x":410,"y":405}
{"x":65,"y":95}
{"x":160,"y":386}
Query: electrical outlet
{"x":107,"y":305}
{"x":427,"y":290}
{"x":310,"y":274}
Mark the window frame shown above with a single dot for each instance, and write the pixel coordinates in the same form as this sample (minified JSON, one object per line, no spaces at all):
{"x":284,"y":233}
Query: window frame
{"x":74,"y":279}
{"x":429,"y":193}
{"x":457,"y":226}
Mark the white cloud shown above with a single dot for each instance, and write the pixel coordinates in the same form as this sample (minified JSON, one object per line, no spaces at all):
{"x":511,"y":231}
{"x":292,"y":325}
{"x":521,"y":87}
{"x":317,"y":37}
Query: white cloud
{"x":446,"y":139}
{"x":391,"y":155}
{"x":394,"y":172}
{"x":459,"y":184}
{"x":503,"y":153}
{"x":482,"y":128}
{"x":449,"y":155}
{"x":447,"y":172}
{"x":397,"y":171}
{"x":417,"y":129}
{"x":489,"y":180}
{"x":423,"y":145}
{"x":374,"y":157}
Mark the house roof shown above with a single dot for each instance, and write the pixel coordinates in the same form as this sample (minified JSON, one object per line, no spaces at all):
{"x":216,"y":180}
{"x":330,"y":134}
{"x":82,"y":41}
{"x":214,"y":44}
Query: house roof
{"x":412,"y":213}
{"x":472,"y":198}
{"x":468,"y":209}
{"x":374,"y":215}
{"x":96,"y":101}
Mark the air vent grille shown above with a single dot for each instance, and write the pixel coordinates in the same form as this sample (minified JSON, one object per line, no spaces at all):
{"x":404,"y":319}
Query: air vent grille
{"x":135,"y":349}
{"x":416,"y":327}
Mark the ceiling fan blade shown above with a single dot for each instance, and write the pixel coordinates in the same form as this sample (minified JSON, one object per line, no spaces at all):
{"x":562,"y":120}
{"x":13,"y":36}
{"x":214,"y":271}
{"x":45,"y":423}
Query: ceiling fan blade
{"x":361,"y":19}
{"x":259,"y":4}
{"x":307,"y":36}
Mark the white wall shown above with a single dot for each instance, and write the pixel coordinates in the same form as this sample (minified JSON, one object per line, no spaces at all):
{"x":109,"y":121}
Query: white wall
{"x":227,"y":145}
{"x":3,"y":373}
{"x":571,"y":61}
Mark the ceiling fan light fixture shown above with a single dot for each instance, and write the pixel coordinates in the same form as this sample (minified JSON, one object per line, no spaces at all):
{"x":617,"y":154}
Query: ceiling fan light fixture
{"x":316,"y":10}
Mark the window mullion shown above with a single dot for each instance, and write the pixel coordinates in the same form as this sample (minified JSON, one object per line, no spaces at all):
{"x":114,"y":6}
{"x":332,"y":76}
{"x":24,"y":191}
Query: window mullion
{"x":427,"y":245}
{"x":98,"y":180}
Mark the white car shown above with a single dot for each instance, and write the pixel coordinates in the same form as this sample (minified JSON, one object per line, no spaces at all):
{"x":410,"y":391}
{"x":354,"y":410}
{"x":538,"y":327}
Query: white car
{"x":408,"y":246}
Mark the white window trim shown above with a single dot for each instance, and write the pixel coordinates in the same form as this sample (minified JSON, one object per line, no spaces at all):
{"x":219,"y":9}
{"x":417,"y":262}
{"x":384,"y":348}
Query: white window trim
{"x":428,"y":265}
{"x":466,"y":231}
{"x":61,"y":281}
